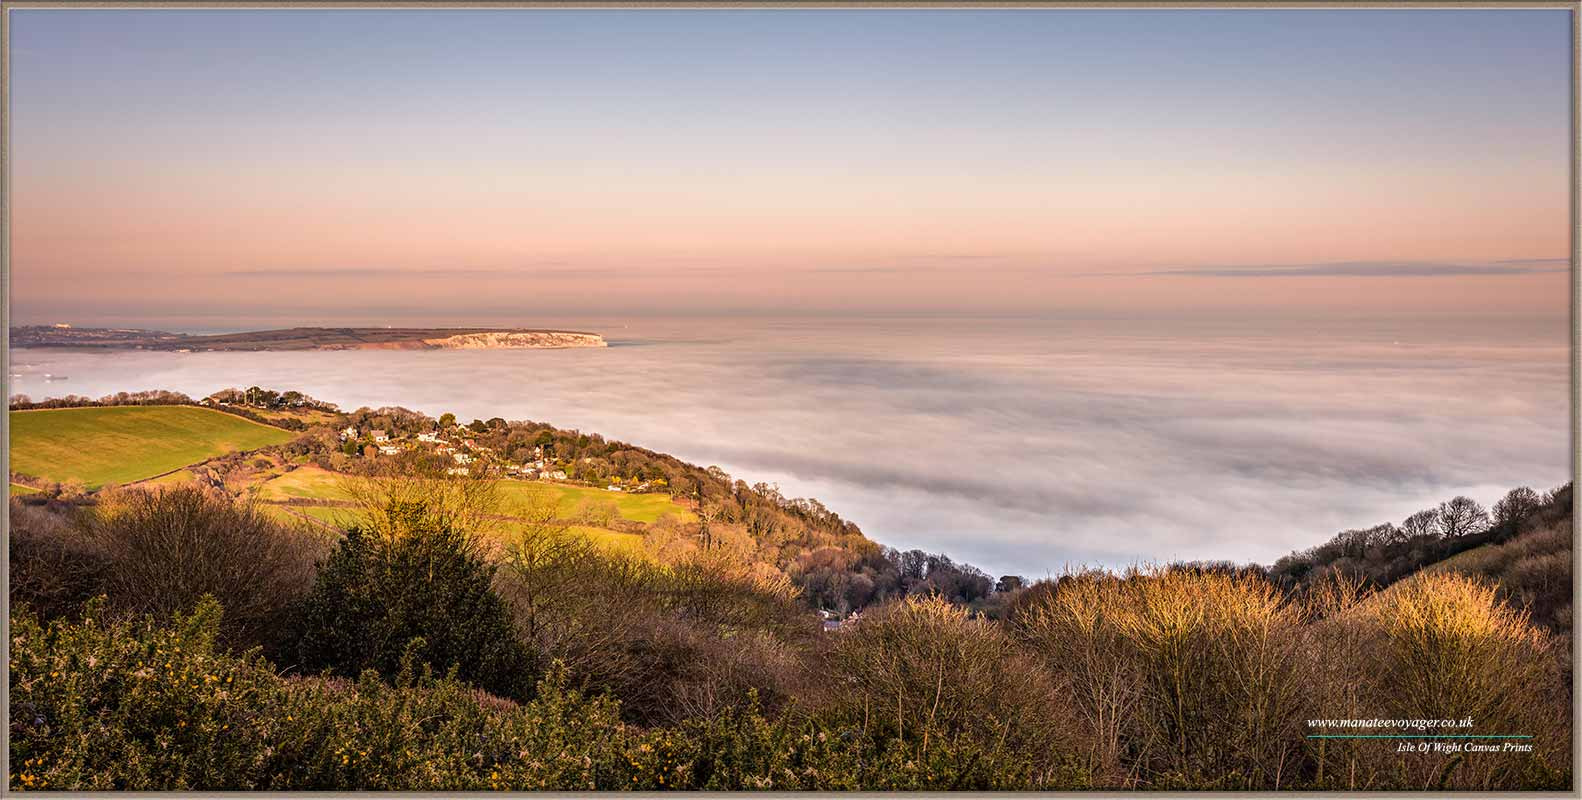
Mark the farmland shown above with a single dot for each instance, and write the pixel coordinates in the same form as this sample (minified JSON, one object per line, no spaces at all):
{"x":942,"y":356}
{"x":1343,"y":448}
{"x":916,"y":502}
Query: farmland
{"x":634,"y":507}
{"x":284,"y":496}
{"x":312,"y":483}
{"x":123,"y":444}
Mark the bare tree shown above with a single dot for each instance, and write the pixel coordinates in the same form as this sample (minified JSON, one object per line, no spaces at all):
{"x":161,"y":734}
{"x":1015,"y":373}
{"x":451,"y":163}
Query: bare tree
{"x":1516,"y":505}
{"x":1423,"y":523}
{"x":387,"y":492}
{"x":1461,"y":516}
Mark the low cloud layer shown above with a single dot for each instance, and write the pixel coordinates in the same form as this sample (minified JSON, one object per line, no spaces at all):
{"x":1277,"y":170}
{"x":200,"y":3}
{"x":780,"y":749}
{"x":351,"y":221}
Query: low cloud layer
{"x":1023,"y":446}
{"x":1366,"y":269}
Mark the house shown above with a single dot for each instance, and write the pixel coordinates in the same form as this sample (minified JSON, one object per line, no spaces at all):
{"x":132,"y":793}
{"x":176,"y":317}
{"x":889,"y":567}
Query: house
{"x":379,"y":436}
{"x":558,"y":475}
{"x":349,"y":433}
{"x":389,"y":449}
{"x":428,"y":437}
{"x":462,"y":458}
{"x":613,"y":488}
{"x":457,"y":471}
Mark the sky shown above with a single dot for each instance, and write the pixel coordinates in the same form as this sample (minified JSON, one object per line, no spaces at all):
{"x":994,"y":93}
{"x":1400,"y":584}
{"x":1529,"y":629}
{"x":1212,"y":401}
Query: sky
{"x":187,"y":168}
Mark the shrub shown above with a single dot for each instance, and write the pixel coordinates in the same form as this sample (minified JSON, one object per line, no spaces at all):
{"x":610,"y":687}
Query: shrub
{"x":121,"y":705}
{"x":670,"y":642}
{"x":1188,"y":676}
{"x":407,"y":575}
{"x":168,"y":548}
{"x":1442,"y":646}
{"x":112,"y":705}
{"x":54,"y":569}
{"x":1073,"y":627}
{"x":921,"y":676}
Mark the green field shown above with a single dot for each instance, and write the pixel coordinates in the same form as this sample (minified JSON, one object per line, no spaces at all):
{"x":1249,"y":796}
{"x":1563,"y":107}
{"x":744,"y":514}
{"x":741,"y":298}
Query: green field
{"x":304,"y":483}
{"x":333,"y":517}
{"x":635,"y":507}
{"x":312,"y":483}
{"x":127,"y":443}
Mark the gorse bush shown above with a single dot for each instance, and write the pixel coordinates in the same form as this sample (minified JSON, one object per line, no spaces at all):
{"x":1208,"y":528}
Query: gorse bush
{"x":407,"y":582}
{"x":112,"y":704}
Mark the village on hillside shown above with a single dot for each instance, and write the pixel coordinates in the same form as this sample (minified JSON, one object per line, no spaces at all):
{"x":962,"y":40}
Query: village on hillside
{"x":447,"y":439}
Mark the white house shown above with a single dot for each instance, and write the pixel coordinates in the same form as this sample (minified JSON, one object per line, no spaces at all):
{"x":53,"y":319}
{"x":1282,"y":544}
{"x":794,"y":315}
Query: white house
{"x":428,"y":437}
{"x":389,"y":449}
{"x":457,"y":471}
{"x":462,"y":458}
{"x":349,"y":433}
{"x":380,"y":436}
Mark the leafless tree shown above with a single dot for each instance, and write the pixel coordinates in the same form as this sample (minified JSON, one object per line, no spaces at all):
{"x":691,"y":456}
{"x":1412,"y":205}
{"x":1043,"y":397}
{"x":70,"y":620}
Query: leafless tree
{"x":1423,"y":523}
{"x":1516,"y":505}
{"x":1461,"y":516}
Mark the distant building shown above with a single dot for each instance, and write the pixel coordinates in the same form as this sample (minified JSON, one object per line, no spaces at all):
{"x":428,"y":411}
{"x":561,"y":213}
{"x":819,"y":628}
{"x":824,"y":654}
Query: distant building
{"x":428,"y":437}
{"x":389,"y":449}
{"x":457,"y":471}
{"x":349,"y":433}
{"x":380,"y":436}
{"x":613,"y":488}
{"x":558,"y":475}
{"x":462,"y":458}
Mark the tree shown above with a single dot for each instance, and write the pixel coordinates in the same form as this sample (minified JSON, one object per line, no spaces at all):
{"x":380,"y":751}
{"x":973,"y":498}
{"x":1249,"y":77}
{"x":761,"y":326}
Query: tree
{"x":447,"y":420}
{"x":1516,"y":505}
{"x":1461,"y":516}
{"x":1423,"y":523}
{"x":411,"y":582}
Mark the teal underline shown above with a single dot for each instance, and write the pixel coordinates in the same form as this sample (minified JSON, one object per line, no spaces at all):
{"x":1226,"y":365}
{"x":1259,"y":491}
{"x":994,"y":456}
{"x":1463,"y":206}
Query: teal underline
{"x":1420,"y":736}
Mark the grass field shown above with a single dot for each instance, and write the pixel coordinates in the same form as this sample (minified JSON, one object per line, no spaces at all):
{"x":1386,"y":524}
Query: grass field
{"x":312,"y":483}
{"x":176,"y":478}
{"x":304,"y":483}
{"x":334,"y":517}
{"x":615,"y":540}
{"x":127,"y":443}
{"x":635,"y":507}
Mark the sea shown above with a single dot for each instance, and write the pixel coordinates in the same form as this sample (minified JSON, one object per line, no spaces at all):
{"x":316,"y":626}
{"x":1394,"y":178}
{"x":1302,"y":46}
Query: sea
{"x":1023,"y":445}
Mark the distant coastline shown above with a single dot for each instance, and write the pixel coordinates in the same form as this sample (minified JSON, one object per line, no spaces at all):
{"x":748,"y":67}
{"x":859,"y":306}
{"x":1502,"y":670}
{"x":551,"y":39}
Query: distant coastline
{"x":303,"y":338}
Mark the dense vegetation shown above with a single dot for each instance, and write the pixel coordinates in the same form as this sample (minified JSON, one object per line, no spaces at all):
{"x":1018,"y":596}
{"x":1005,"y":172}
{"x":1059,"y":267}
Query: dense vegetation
{"x":418,"y":653}
{"x":468,"y":633}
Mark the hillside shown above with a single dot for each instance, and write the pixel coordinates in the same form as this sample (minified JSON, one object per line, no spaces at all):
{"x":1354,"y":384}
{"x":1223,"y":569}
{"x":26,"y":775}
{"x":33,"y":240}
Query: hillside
{"x":96,"y":446}
{"x":510,"y":605}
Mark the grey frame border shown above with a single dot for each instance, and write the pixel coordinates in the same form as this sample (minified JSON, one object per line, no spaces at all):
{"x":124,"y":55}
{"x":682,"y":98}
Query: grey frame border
{"x":1574,"y":6}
